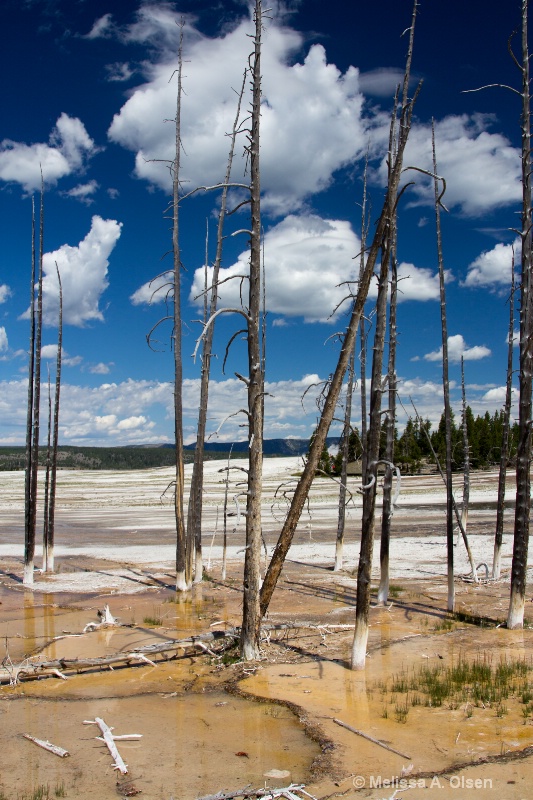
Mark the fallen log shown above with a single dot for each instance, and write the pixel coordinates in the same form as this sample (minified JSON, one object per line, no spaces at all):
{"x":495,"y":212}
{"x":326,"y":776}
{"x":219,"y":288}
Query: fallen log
{"x":371,"y":738}
{"x":46,"y":745}
{"x":36,"y":667}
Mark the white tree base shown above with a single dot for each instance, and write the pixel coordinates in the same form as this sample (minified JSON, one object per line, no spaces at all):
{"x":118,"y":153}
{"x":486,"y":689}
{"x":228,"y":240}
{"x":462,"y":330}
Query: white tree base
{"x":360,"y":642}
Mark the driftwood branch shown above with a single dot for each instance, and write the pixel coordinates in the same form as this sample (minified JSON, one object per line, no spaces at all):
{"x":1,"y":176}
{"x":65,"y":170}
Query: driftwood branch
{"x":109,"y":739}
{"x":370,"y":738}
{"x":46,"y":745}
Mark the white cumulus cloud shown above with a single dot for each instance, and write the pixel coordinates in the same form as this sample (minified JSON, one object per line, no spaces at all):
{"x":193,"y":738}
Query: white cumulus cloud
{"x":4,"y":344}
{"x":497,"y":395}
{"x":481,"y":169}
{"x":493,"y":267}
{"x":154,"y":291}
{"x":68,"y":148}
{"x":311,"y":114}
{"x":308,"y":261}
{"x":83,"y":270}
{"x":456,"y":348}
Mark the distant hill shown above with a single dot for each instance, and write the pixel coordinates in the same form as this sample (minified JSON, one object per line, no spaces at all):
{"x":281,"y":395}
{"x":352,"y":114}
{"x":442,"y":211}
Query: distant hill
{"x":271,"y":447}
{"x":147,"y":456}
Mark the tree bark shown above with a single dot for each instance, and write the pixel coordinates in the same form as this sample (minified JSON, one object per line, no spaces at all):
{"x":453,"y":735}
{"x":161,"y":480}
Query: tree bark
{"x":466,"y":457}
{"x":183,"y":557}
{"x":515,"y":617}
{"x":345,"y":443}
{"x":29,"y":539}
{"x":55,"y":439}
{"x":47,"y":477}
{"x":504,"y":455}
{"x":251,"y":618}
{"x":29,"y":554}
{"x":446,"y":388}
{"x":386,"y":517}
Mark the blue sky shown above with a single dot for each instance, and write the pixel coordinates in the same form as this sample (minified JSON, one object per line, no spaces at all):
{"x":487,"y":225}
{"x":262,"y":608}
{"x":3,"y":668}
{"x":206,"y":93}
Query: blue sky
{"x":88,"y":86}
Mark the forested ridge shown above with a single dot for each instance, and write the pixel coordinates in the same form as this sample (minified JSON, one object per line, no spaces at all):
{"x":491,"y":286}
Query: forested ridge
{"x":148,"y":456}
{"x":413,"y":449}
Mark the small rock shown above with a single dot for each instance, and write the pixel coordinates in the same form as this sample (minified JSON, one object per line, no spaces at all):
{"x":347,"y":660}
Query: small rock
{"x":277,"y":774}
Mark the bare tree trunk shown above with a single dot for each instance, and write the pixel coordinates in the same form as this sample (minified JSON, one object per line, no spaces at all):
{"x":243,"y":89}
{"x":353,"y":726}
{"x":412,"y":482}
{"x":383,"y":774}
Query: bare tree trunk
{"x":47,"y":477}
{"x":29,"y":539}
{"x":504,"y":455}
{"x":351,"y":378}
{"x":251,"y":617}
{"x":194,"y":516}
{"x":30,"y":551}
{"x":183,"y":557}
{"x":55,"y":439}
{"x":370,"y":477}
{"x":466,"y":448}
{"x":397,"y":143}
{"x":383,"y":589}
{"x":362,"y":334}
{"x":446,"y":388}
{"x":515,"y":617}
{"x":302,"y":489}
{"x":345,"y":444}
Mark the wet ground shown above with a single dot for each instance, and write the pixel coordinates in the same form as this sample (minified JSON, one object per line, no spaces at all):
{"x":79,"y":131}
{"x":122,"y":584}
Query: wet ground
{"x":210,"y":723}
{"x":198,"y":716}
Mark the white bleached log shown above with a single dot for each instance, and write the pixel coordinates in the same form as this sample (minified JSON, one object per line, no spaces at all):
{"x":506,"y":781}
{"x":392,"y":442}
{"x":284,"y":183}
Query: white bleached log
{"x":109,"y":739}
{"x":46,"y":745}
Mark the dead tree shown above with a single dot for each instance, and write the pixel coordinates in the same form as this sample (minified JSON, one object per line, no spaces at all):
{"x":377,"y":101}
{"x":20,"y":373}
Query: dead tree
{"x":445,"y":383}
{"x":363,"y":333}
{"x":515,"y":617}
{"x":397,"y":142}
{"x":373,"y":438}
{"x":46,"y":501}
{"x":339,"y":545}
{"x":335,"y":384}
{"x":344,"y":446}
{"x":251,"y":618}
{"x":504,"y":455}
{"x":386,"y":517}
{"x":48,"y":544}
{"x":466,"y":449}
{"x":29,"y":548}
{"x":29,"y":531}
{"x":183,"y":559}
{"x":194,"y":515}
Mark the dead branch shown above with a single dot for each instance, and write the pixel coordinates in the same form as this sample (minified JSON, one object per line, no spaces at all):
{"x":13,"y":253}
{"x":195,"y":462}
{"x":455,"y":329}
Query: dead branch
{"x":370,"y":738}
{"x":46,"y":745}
{"x":212,"y":319}
{"x":232,"y":339}
{"x":109,"y":739}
